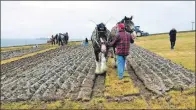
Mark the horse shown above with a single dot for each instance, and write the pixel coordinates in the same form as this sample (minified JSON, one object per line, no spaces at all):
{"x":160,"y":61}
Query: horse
{"x":66,"y":38}
{"x":52,"y":40}
{"x":99,"y":40}
{"x":60,"y":39}
{"x":55,"y":38}
{"x":129,"y":27}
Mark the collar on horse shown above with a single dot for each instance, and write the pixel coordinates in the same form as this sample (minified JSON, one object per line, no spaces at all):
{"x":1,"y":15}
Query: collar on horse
{"x":99,"y":43}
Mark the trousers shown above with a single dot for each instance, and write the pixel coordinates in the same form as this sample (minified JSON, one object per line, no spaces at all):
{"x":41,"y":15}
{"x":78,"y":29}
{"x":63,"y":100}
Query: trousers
{"x":121,"y":65}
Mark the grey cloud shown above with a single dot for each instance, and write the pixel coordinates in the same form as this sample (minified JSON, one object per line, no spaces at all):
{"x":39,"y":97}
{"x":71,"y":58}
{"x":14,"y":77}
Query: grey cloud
{"x":33,"y":19}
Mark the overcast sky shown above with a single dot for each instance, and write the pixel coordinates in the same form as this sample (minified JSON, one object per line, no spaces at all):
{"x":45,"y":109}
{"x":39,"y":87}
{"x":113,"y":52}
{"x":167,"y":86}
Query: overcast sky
{"x":34,"y":19}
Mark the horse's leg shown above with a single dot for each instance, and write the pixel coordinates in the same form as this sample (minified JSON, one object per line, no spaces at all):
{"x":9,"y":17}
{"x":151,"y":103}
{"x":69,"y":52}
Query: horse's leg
{"x":62,"y":42}
{"x":125,"y":65}
{"x":97,"y":70}
{"x":59,"y":41}
{"x":115,"y":65}
{"x":52,"y":41}
{"x":103,"y":62}
{"x":106,"y":54}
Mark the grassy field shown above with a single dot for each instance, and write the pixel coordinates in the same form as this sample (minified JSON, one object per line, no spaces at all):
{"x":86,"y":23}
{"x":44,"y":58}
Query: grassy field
{"x":183,"y":54}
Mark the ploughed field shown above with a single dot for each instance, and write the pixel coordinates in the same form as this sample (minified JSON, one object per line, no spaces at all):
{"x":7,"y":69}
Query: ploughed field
{"x":64,"y":72}
{"x":68,"y":73}
{"x":15,"y":53}
{"x":157,"y":73}
{"x":10,"y":52}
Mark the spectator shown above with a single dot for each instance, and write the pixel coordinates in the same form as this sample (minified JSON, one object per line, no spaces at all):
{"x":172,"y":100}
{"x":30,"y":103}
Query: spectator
{"x":86,"y":42}
{"x":122,"y":42}
{"x":172,"y":35}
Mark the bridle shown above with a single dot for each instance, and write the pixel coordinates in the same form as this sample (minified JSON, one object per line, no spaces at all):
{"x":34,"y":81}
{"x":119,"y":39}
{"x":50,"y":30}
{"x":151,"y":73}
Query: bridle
{"x":126,"y":26}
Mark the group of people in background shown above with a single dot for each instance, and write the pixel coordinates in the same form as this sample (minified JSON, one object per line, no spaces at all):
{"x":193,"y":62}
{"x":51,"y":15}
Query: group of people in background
{"x":60,"y":39}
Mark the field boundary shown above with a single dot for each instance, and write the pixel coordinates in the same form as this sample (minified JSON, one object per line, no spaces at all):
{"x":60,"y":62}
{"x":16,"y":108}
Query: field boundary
{"x":168,"y":32}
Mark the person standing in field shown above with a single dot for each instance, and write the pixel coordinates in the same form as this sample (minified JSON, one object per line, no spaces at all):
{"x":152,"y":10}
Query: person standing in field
{"x":172,"y":35}
{"x":122,"y":42}
{"x":86,"y":42}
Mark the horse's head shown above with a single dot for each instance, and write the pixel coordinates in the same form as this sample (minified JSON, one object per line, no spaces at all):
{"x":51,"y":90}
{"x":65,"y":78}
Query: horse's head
{"x":102,"y":36}
{"x":129,"y":25}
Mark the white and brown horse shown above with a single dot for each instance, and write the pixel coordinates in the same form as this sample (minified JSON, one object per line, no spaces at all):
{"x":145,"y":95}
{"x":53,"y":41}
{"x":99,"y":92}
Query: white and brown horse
{"x":99,"y":40}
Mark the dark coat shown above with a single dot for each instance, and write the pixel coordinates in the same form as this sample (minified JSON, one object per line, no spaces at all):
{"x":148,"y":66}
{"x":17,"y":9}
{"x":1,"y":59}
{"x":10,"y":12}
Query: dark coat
{"x":86,"y":40}
{"x":172,"y":35}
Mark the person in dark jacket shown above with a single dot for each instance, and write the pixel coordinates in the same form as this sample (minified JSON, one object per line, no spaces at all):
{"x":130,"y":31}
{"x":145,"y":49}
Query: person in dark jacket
{"x":122,"y":42}
{"x":172,"y":35}
{"x":86,"y":42}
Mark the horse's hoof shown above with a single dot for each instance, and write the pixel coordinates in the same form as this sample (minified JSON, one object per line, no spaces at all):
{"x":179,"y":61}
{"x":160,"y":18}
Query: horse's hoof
{"x":97,"y":71}
{"x":103,"y":70}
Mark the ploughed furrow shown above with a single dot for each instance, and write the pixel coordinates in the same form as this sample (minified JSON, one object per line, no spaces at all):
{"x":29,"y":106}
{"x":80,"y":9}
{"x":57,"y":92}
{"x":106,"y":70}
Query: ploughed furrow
{"x":183,"y":74}
{"x":157,"y":73}
{"x":15,"y":53}
{"x":9,"y":73}
{"x":67,"y":73}
{"x":99,"y":86}
{"x":28,"y":62}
